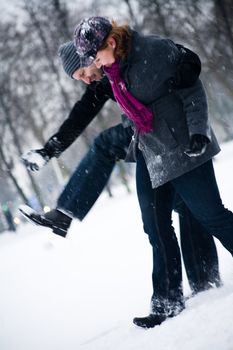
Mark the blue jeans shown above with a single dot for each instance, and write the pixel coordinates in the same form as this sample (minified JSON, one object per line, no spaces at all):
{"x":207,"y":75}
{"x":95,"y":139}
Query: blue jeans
{"x":167,"y":272}
{"x":199,"y":191}
{"x":93,"y":172}
{"x":198,"y":250}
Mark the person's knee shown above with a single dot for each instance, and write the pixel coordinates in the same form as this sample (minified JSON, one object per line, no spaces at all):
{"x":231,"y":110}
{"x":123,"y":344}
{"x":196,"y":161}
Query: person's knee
{"x":101,"y":144}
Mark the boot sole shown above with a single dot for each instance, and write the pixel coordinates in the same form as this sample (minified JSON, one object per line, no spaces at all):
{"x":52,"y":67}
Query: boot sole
{"x":27,"y":212}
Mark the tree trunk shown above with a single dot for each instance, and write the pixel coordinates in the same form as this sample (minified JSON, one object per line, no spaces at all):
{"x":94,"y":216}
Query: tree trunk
{"x":12,"y":177}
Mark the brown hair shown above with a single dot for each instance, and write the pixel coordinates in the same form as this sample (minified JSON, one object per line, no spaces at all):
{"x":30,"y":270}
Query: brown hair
{"x":122,"y":36}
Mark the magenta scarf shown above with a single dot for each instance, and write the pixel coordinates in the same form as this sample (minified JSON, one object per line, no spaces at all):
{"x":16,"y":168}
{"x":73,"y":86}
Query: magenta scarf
{"x":135,"y":110}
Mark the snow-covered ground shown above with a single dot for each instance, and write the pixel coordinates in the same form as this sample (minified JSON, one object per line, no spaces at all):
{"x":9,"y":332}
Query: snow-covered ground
{"x":83,"y":292}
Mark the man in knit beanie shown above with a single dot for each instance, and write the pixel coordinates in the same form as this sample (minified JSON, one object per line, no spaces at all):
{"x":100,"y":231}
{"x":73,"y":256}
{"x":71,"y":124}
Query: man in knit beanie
{"x":93,"y":172}
{"x":71,"y":64}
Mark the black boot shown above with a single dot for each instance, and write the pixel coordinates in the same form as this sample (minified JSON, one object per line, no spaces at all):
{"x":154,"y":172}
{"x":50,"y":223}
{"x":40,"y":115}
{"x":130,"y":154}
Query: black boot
{"x":54,"y":219}
{"x":149,"y":321}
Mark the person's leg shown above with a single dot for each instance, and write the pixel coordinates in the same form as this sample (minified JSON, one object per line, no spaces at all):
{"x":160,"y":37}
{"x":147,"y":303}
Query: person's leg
{"x":146,"y":200}
{"x":87,"y":182}
{"x":198,"y":250}
{"x":156,"y":207}
{"x":164,"y":205}
{"x":199,"y":190}
{"x":93,"y":172}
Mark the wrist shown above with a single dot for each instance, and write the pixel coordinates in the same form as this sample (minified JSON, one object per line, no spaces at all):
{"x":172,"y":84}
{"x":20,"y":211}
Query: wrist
{"x":53,"y":147}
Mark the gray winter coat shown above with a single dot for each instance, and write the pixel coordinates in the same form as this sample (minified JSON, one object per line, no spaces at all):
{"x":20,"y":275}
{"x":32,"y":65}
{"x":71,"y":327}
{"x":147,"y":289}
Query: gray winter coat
{"x":177,"y":115}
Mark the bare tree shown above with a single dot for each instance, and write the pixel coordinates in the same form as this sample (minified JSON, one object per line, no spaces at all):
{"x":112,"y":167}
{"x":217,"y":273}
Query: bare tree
{"x":7,"y":167}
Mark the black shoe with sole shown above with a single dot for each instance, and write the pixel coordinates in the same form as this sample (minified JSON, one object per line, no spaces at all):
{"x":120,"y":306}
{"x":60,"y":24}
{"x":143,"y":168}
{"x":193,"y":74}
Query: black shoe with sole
{"x":149,"y":321}
{"x":54,"y":219}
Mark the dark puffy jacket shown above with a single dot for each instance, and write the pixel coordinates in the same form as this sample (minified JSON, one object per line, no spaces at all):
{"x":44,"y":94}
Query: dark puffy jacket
{"x":83,"y":112}
{"x":178,"y":114}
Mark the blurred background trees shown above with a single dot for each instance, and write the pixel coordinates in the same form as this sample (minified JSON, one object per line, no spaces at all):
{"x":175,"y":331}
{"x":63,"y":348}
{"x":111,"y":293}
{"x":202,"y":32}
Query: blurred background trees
{"x":36,"y":96}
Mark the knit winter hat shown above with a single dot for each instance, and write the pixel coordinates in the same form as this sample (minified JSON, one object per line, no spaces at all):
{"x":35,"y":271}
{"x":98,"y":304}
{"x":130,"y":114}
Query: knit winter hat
{"x":70,"y":60}
{"x":89,"y":36}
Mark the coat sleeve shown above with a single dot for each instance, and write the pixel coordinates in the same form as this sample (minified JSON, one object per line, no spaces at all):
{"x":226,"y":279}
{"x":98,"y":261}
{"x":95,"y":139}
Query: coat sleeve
{"x":196,"y":109}
{"x":82,"y":113}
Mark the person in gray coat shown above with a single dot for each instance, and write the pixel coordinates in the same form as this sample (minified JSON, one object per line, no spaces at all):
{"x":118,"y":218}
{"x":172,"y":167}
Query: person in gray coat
{"x":174,"y":142}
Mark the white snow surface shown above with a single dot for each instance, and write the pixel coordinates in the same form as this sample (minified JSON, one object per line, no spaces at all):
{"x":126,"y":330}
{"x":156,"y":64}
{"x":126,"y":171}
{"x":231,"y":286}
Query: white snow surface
{"x":82,"y":292}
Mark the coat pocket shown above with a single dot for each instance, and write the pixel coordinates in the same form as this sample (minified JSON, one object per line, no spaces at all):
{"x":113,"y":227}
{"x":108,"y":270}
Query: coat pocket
{"x":161,"y":140}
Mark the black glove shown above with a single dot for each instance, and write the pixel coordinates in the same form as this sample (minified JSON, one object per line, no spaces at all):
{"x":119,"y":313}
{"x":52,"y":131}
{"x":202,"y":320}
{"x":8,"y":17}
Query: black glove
{"x":198,"y":144}
{"x":35,"y":159}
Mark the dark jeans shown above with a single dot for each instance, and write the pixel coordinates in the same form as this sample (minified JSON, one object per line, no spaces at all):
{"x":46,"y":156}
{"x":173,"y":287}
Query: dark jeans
{"x":198,"y":247}
{"x":166,"y":273}
{"x":93,"y":172}
{"x":92,"y":175}
{"x":199,"y":191}
{"x":201,"y":264}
